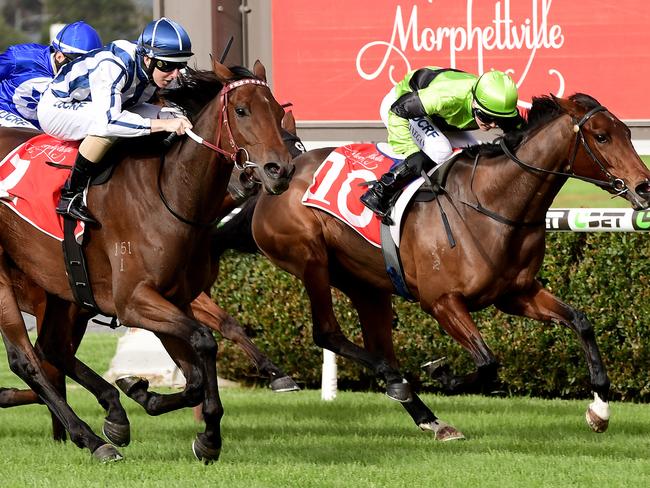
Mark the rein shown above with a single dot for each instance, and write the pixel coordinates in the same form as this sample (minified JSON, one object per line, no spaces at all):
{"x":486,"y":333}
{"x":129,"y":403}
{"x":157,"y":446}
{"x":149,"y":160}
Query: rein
{"x":232,"y":156}
{"x":615,"y":184}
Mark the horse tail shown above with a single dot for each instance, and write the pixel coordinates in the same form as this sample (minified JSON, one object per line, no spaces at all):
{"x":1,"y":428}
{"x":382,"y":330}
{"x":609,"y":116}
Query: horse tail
{"x":237,"y":232}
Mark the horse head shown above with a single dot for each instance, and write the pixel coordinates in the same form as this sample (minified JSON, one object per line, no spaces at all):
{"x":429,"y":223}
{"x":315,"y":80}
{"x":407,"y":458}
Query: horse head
{"x":603,"y":151}
{"x":244,"y":112}
{"x":244,"y":183}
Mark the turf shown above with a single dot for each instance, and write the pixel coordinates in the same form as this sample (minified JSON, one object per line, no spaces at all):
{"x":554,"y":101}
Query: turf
{"x":359,"y":439}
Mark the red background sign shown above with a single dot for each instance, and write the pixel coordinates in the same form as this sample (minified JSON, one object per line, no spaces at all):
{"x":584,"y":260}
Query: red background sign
{"x":336,"y":59}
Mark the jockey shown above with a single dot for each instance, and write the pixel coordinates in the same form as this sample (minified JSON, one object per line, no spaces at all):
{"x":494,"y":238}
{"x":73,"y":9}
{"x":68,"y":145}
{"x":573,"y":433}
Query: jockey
{"x":427,"y":114}
{"x":104,"y":95}
{"x":26,"y":70}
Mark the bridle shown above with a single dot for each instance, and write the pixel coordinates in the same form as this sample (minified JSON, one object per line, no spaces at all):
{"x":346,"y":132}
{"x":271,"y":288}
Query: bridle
{"x":613,"y":183}
{"x":231,"y":156}
{"x":223,"y":121}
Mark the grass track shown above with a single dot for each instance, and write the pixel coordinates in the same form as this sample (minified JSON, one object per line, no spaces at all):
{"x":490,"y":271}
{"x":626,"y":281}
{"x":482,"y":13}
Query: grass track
{"x":360,"y":439}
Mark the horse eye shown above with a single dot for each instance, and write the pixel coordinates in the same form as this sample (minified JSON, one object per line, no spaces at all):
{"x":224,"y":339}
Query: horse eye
{"x":241,"y":111}
{"x":601,"y":138}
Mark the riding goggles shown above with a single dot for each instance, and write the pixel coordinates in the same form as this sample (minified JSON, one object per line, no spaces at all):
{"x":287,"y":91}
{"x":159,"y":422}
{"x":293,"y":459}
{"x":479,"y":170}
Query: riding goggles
{"x":168,"y":66}
{"x":71,"y":56}
{"x":485,"y":118}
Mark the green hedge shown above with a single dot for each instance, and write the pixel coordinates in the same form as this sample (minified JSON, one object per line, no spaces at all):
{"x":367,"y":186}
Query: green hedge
{"x":604,"y":275}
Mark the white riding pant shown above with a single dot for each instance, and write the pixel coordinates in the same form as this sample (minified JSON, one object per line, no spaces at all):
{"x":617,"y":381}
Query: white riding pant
{"x":72,"y":121}
{"x":431,"y":140}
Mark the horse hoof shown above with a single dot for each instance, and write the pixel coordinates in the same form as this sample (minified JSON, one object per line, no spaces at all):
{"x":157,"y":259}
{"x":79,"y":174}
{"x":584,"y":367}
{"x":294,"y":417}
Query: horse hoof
{"x":449,"y":433}
{"x":129,"y":384}
{"x":400,"y":392}
{"x":596,"y":423}
{"x":106,"y":453}
{"x":443,"y":432}
{"x":203,"y":452}
{"x":284,"y":384}
{"x":117,"y":434}
{"x":432,"y":367}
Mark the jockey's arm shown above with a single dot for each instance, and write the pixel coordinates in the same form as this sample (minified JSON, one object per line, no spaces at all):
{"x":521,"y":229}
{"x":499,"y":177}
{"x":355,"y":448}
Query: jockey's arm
{"x":399,"y":135}
{"x":408,"y":106}
{"x":106,"y":83}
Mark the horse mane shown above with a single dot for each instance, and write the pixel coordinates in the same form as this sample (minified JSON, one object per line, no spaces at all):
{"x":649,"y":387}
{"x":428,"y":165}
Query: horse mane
{"x":544,"y":109}
{"x":198,"y":87}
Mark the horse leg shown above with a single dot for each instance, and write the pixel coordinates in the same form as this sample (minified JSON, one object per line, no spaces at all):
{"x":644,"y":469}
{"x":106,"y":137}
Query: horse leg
{"x":540,"y":304}
{"x":375,"y":315}
{"x":451,"y":313}
{"x":195,"y":349}
{"x":203,"y":447}
{"x":33,"y":299}
{"x":210,"y":314}
{"x":59,"y":342}
{"x":24,"y":362}
{"x":327,"y":332}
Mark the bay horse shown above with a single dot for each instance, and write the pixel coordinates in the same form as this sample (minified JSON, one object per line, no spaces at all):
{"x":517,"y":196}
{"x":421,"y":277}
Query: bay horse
{"x":168,"y":228}
{"x":496,"y":204}
{"x":244,"y":183}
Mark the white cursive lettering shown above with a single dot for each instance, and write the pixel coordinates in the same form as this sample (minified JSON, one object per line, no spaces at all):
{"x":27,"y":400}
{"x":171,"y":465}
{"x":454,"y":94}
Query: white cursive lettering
{"x":503,"y":34}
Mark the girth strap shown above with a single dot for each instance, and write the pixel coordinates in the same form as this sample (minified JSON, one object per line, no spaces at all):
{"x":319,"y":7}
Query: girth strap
{"x":393,"y":264}
{"x":75,"y":265}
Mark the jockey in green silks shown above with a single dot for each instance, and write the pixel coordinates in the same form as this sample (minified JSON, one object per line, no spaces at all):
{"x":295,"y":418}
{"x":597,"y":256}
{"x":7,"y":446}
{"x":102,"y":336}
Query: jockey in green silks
{"x":429,"y":113}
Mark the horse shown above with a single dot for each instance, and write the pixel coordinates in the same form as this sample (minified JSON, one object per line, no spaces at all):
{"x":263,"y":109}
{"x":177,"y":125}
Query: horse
{"x":242,"y":185}
{"x":495,"y":200}
{"x":169,"y":250}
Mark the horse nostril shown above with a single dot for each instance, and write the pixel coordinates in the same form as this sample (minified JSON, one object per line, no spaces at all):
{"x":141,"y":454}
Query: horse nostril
{"x":643,"y":190}
{"x":273,"y":170}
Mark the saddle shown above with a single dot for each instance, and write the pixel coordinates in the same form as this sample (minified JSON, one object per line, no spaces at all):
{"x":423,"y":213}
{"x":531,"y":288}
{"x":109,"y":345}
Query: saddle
{"x":341,"y":179}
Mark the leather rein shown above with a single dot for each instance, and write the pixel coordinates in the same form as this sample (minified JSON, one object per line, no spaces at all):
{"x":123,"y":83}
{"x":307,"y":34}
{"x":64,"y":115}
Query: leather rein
{"x":616,"y":184}
{"x":231,"y":156}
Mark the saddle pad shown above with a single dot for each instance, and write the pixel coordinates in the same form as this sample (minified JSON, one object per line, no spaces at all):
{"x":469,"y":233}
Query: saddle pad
{"x":32,"y":188}
{"x":338,"y":184}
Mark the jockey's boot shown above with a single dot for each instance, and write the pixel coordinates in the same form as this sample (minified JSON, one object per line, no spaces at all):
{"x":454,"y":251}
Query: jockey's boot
{"x":378,"y":197}
{"x":71,"y":203}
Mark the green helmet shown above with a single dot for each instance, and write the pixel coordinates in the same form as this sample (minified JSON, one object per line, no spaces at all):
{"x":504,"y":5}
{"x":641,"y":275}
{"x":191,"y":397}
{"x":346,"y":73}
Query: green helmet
{"x":496,"y":94}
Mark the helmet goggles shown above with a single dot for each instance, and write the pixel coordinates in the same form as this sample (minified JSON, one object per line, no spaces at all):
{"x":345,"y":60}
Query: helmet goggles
{"x":168,"y":66}
{"x":484,"y":117}
{"x":506,"y":124}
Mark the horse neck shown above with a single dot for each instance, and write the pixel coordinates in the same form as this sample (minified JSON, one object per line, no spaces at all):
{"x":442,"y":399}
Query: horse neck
{"x":524,"y":195}
{"x":195,"y":177}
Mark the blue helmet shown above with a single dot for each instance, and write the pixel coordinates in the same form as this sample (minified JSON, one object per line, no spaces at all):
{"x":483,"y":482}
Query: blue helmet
{"x":166,"y":40}
{"x":76,"y":39}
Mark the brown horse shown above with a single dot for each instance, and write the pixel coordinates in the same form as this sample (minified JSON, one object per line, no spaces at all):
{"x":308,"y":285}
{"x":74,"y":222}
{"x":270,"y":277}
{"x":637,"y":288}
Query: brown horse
{"x":496,"y":206}
{"x":243,"y":184}
{"x":166,"y":267}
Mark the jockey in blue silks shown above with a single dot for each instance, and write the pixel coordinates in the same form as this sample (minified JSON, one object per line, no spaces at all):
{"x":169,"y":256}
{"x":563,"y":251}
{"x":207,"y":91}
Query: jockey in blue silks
{"x":27,"y":69}
{"x":104,"y":95}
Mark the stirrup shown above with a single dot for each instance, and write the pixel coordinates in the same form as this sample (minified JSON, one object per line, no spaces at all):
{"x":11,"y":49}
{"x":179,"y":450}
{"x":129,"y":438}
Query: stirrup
{"x":76,"y":212}
{"x":371,"y":200}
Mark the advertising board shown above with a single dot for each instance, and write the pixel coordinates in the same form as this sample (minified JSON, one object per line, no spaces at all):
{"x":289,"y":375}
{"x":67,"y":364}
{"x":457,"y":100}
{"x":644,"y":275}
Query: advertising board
{"x":336,"y":59}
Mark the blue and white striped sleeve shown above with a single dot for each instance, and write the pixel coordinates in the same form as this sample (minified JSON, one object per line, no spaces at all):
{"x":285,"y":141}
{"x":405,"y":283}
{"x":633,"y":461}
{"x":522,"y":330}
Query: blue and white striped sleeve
{"x":106,"y":82}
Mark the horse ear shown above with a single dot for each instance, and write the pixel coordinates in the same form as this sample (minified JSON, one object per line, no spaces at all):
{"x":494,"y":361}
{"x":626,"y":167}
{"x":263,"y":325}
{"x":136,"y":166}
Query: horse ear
{"x":567,"y":105}
{"x":289,"y":123}
{"x":222,"y":71}
{"x":259,"y":70}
